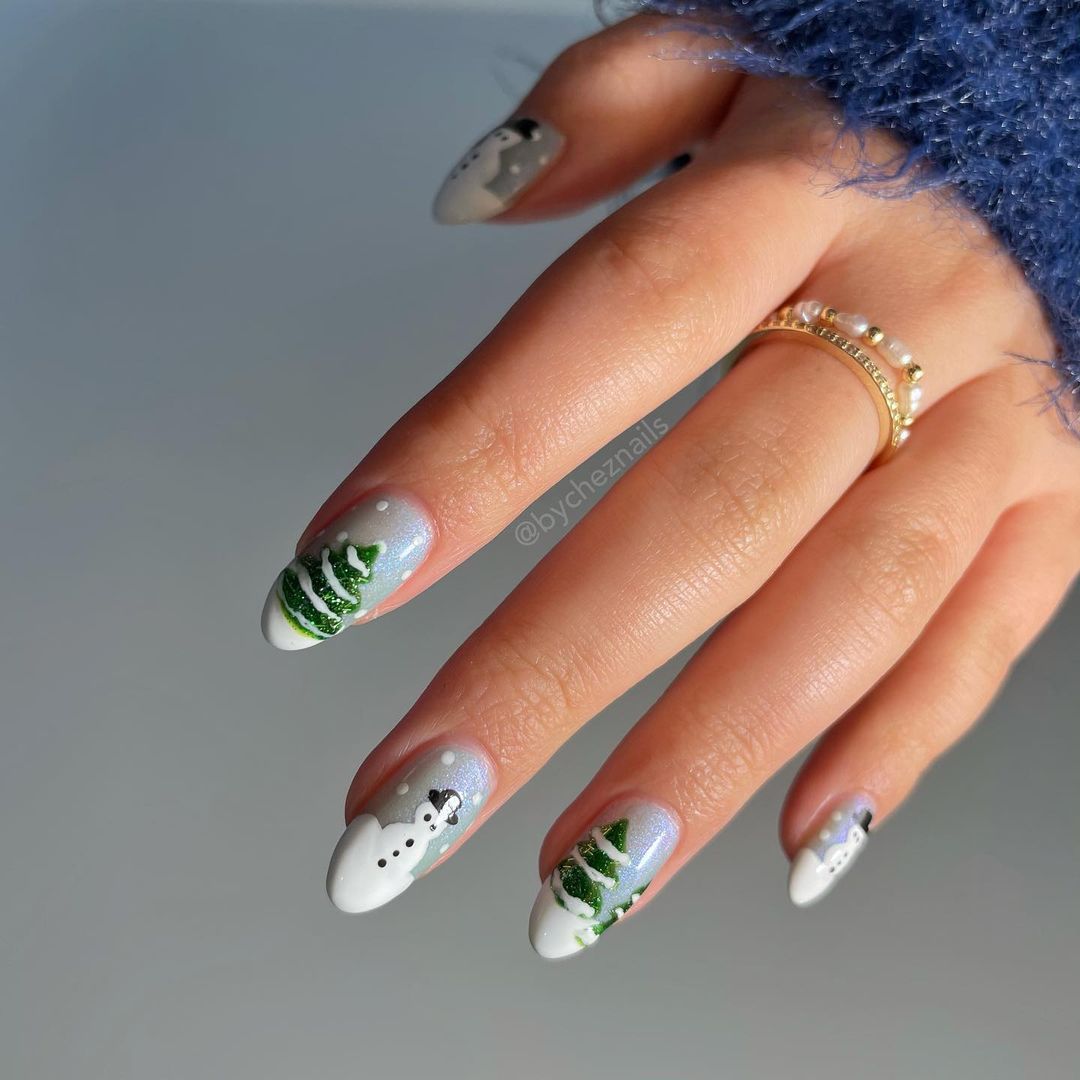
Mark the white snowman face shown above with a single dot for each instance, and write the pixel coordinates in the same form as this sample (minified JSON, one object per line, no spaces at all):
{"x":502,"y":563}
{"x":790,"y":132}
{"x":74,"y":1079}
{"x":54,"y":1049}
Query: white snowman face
{"x":375,"y":863}
{"x":482,"y":160}
{"x":838,"y":856}
{"x":495,"y":170}
{"x":437,"y":812}
{"x":403,"y":844}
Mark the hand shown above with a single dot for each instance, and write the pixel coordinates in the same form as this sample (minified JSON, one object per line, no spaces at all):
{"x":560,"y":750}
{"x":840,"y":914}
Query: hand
{"x":877,"y":610}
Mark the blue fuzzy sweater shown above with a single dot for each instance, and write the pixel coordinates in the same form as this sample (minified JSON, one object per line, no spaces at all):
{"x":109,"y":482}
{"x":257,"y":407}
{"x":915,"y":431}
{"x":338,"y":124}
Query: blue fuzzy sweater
{"x":985,"y":93}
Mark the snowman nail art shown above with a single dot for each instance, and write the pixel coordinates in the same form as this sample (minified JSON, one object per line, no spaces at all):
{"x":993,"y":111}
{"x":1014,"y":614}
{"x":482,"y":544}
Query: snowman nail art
{"x":407,"y":826}
{"x":830,"y":850}
{"x":494,"y":172}
{"x":356,"y":562}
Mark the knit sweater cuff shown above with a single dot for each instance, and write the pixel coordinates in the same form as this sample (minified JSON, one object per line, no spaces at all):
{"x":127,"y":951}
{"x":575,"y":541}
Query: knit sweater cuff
{"x":984,"y":93}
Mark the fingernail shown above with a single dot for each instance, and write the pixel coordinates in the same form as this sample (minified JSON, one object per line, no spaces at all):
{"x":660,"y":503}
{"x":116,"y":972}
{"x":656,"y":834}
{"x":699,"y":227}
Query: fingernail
{"x":355,"y":563}
{"x":408,"y":825}
{"x":830,"y":850}
{"x":495,"y":172}
{"x":601,"y":878}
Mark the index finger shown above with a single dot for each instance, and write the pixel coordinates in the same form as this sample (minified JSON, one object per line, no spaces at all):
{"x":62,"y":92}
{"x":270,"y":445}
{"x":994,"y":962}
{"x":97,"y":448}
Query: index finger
{"x":641,"y":305}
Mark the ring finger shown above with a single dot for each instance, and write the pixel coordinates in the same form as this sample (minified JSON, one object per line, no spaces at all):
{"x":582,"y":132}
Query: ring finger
{"x":827,"y":625}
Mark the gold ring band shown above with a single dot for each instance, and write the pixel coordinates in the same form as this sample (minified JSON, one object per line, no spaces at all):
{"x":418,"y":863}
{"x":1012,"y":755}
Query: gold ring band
{"x":895,"y":410}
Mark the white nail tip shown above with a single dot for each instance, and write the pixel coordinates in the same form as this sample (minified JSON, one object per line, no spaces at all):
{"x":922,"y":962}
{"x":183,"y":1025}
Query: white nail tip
{"x":278,"y":631}
{"x":410,"y":822}
{"x":460,"y":203}
{"x":553,"y":930}
{"x":495,"y":171}
{"x":351,"y":886}
{"x":805,"y":883}
{"x":822,"y":861}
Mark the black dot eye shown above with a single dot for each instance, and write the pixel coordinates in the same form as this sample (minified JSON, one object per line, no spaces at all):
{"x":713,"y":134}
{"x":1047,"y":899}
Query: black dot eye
{"x":410,"y":842}
{"x":382,"y":862}
{"x":396,"y":854}
{"x":427,"y":817}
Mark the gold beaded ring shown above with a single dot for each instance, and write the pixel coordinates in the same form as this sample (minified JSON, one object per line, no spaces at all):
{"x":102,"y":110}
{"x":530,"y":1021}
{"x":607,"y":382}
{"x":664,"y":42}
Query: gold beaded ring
{"x":838,"y":333}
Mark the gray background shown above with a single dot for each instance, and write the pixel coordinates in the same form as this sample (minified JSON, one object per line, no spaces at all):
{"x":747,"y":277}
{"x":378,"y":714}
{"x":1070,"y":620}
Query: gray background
{"x":218,"y":285}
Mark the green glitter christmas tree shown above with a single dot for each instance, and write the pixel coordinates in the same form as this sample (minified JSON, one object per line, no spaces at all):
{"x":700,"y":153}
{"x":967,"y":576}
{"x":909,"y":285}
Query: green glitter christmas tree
{"x":319,"y":592}
{"x":593,"y":872}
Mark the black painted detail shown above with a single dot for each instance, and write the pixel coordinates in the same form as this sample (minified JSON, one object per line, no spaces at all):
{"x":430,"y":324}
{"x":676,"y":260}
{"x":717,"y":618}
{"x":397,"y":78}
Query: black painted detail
{"x":526,"y":128}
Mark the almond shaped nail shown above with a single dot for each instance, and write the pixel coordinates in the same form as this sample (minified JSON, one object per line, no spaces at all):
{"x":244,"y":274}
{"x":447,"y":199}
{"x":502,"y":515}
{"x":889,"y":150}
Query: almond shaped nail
{"x":495,"y":172}
{"x":601,"y":877}
{"x":830,"y":850}
{"x":355,"y":563}
{"x":407,"y":826}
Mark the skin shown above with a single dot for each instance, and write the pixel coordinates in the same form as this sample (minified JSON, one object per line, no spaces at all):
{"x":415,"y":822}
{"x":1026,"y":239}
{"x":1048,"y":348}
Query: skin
{"x":876,"y":611}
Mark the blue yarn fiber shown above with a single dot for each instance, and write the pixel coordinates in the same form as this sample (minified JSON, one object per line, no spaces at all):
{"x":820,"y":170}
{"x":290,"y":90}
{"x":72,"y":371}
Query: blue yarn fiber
{"x":986,"y":95}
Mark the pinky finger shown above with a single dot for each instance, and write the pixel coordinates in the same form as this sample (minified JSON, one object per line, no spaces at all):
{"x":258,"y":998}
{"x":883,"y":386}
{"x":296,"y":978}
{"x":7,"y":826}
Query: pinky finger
{"x":869,"y":762}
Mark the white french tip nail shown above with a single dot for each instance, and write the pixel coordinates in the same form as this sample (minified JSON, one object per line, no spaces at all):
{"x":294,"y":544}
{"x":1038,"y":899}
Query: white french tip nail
{"x":350,"y":884}
{"x":496,"y":171}
{"x":805,"y":884}
{"x":277,"y":630}
{"x":601,"y":878}
{"x":407,"y":826}
{"x":459,"y":204}
{"x":348,"y":569}
{"x":830,"y":851}
{"x":553,"y":931}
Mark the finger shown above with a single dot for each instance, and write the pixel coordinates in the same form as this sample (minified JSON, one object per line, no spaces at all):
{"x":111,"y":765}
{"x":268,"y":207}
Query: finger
{"x":646,"y":572}
{"x":689,"y":533}
{"x":868,"y":763}
{"x":608,"y":110}
{"x":630,"y":315}
{"x":831,"y":620}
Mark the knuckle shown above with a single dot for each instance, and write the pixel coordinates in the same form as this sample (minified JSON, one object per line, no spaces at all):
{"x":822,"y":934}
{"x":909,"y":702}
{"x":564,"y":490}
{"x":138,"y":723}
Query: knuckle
{"x":918,"y":746}
{"x":900,"y":565}
{"x":733,"y":498}
{"x":737,"y":749}
{"x":601,"y":73}
{"x":998,"y":643}
{"x":496,"y":444}
{"x":532,"y":685}
{"x":640,"y":263}
{"x":577,"y":63}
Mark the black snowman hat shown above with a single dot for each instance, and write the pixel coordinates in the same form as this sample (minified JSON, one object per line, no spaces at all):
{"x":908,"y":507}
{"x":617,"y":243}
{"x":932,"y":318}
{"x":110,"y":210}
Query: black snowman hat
{"x":439,"y":799}
{"x":526,"y":128}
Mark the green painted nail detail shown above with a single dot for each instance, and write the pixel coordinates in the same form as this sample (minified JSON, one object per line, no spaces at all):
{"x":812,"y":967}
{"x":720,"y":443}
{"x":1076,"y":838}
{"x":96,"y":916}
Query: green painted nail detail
{"x":601,"y":878}
{"x":580,"y":880}
{"x":318,"y":592}
{"x":348,"y":570}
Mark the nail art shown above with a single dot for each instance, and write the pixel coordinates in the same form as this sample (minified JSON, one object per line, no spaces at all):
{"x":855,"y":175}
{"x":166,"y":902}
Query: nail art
{"x":495,"y":171}
{"x":407,"y":826}
{"x":829,"y":852}
{"x":354,"y":564}
{"x":601,"y":878}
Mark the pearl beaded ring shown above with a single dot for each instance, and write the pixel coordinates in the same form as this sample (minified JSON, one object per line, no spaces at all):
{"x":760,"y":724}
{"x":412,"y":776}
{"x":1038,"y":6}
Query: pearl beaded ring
{"x":891,"y":349}
{"x":842,"y":334}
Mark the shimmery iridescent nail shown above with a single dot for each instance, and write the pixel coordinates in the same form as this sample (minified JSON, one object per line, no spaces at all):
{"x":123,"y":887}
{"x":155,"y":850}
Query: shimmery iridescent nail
{"x":407,"y":826}
{"x":601,"y":877}
{"x":355,"y":563}
{"x":495,"y":172}
{"x":830,"y":850}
